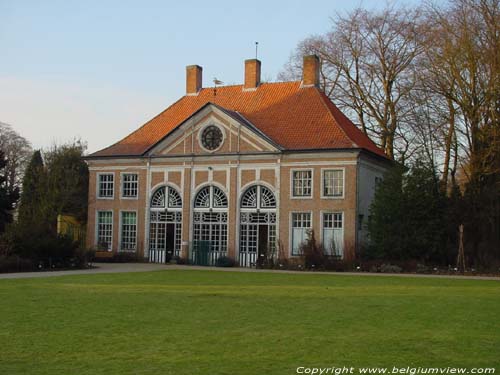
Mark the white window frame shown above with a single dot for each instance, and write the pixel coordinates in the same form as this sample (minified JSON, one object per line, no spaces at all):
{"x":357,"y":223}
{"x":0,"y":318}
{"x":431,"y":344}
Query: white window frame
{"x":122,"y":182}
{"x":202,"y":129}
{"x":98,"y":182}
{"x":290,"y":230}
{"x":292,"y":171}
{"x":120,"y":247}
{"x":323,"y":196}
{"x":96,"y":237}
{"x":322,"y":218}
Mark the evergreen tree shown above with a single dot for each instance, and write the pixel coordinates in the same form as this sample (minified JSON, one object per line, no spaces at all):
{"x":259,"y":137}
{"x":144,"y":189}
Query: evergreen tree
{"x":33,"y":198}
{"x":67,"y":181}
{"x":408,"y":216}
{"x":8,"y":196}
{"x":385,"y":224}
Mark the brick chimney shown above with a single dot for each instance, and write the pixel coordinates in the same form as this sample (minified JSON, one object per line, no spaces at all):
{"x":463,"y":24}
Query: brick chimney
{"x":310,"y":71}
{"x":193,"y":79}
{"x":252,"y":74}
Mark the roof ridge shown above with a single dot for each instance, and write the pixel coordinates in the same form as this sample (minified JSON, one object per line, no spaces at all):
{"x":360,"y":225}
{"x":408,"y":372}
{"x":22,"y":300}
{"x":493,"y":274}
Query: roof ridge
{"x":371,"y":143}
{"x":322,"y":96}
{"x":241,"y":84}
{"x":142,"y":126}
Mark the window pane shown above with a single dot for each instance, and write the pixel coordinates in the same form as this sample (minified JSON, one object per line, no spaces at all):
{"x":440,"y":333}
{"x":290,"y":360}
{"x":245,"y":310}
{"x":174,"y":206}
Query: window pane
{"x":328,"y":243}
{"x":333,"y":183}
{"x":301,"y":224}
{"x":106,"y":185}
{"x":302,"y":183}
{"x":129,"y":231}
{"x":333,"y":234}
{"x":130,"y":185}
{"x":104,"y":229}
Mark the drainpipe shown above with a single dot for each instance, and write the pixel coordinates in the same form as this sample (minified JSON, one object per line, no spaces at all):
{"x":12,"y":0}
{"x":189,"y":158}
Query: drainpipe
{"x":356,"y":223}
{"x":146,"y":215}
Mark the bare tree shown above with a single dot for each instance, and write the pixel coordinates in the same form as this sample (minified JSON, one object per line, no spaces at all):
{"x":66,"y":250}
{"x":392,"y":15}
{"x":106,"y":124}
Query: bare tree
{"x":368,"y":69}
{"x":17,"y":152}
{"x":463,"y":56}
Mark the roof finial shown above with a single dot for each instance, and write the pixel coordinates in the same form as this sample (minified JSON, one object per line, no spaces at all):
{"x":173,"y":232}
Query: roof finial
{"x":216,"y":82}
{"x":256,"y":49}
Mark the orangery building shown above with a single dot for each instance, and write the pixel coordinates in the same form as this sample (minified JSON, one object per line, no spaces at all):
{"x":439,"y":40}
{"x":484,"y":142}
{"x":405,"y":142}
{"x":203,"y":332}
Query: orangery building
{"x":244,"y":171}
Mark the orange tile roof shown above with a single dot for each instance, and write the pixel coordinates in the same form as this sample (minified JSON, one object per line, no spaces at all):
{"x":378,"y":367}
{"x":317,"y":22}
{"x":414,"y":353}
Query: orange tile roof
{"x":295,"y":117}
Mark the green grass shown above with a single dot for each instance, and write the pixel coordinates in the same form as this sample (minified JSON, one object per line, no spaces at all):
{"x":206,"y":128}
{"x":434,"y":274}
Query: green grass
{"x":205,"y":322}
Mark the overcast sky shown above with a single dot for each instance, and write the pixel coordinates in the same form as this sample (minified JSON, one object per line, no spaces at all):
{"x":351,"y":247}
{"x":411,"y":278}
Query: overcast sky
{"x":100,"y":69}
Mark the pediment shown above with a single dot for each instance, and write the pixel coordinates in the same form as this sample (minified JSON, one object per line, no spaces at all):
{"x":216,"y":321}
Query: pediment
{"x":214,"y":130}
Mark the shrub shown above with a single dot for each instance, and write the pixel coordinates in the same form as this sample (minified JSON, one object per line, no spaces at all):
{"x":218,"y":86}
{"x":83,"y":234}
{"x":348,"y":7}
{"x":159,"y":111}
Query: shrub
{"x":38,"y":243}
{"x":225,"y":261}
{"x":13,"y":263}
{"x":121,"y":257}
{"x":180,"y":260}
{"x":339,"y":265}
{"x":422,"y":268}
{"x":390,"y":268}
{"x":313,"y":253}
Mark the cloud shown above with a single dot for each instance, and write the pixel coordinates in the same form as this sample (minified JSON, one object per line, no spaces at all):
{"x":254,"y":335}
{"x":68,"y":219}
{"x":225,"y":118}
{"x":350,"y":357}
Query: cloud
{"x":54,"y":110}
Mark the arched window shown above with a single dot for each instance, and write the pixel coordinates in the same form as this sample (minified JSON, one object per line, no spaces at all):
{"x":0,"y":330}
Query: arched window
{"x":257,"y":226}
{"x":158,"y":198}
{"x":165,"y":224}
{"x":249,"y":199}
{"x":258,"y":196}
{"x":210,"y":197}
{"x":210,"y":219}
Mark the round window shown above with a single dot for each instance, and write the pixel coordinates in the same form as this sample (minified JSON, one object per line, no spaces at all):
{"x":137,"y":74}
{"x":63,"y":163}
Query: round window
{"x":211,"y":138}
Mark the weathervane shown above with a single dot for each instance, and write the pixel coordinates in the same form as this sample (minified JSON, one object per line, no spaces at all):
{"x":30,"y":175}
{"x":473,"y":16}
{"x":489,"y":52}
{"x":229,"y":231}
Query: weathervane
{"x":216,"y":82}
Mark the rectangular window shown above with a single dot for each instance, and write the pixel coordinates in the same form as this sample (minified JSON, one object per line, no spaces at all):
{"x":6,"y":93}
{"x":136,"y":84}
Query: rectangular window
{"x":130,"y":185}
{"x":128,"y":231}
{"x":104,"y":230}
{"x":333,"y":233}
{"x":302,"y":183}
{"x":106,"y":184}
{"x":333,"y":183}
{"x":301,"y":226}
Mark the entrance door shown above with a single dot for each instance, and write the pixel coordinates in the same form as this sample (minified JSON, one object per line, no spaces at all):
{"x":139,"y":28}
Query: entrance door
{"x":257,"y":227}
{"x":170,"y":241}
{"x":262,"y":244}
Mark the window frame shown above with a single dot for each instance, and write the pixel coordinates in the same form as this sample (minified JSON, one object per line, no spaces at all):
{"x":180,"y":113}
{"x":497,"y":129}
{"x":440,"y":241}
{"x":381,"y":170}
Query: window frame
{"x":120,"y":233}
{"x":290,"y":229}
{"x":322,"y":223}
{"x":98,"y":185}
{"x":201,"y":130}
{"x":122,"y":185}
{"x":292,"y":172}
{"x":323,"y":196}
{"x":96,"y":237}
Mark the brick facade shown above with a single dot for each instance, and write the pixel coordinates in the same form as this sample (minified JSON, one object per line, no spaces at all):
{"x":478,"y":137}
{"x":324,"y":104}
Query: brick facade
{"x":248,"y":139}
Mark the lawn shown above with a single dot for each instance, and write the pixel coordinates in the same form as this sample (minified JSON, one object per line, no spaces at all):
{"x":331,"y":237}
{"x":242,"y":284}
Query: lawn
{"x":206,"y":322}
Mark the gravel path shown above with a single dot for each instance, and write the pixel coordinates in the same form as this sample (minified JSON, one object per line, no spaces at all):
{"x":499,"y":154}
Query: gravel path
{"x":148,"y":267}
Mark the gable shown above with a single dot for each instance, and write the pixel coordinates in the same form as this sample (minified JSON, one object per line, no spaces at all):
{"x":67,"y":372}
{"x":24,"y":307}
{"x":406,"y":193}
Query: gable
{"x":234,"y":134}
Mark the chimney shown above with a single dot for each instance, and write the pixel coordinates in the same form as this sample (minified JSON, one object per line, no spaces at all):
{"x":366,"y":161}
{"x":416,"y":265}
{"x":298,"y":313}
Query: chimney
{"x":252,"y":74}
{"x":193,"y":79}
{"x":310,"y":71}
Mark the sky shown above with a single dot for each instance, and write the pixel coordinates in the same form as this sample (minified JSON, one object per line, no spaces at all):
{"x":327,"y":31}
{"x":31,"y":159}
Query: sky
{"x":97,"y":70}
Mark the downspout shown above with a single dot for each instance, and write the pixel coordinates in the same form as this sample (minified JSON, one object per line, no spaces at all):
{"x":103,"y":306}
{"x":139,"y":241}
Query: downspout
{"x":146,"y":214}
{"x":356,"y":221}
